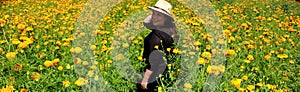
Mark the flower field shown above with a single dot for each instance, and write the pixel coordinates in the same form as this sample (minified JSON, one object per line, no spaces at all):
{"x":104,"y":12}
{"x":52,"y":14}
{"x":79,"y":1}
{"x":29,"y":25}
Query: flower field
{"x":54,"y":45}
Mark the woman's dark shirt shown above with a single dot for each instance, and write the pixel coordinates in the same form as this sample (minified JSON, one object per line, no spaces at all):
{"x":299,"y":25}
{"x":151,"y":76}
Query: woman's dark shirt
{"x":157,"y":60}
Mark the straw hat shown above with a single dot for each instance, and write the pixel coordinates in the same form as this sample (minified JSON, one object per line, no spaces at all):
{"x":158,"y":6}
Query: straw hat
{"x":163,"y":7}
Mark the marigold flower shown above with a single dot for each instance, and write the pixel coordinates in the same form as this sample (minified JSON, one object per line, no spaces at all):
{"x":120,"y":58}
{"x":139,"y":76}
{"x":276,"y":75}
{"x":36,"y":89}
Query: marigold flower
{"x":291,"y":61}
{"x":23,"y":90}
{"x":250,"y":57}
{"x":90,"y":73}
{"x":206,"y":54}
{"x":11,"y":55}
{"x":140,"y":58}
{"x":236,"y":82}
{"x":77,"y":50}
{"x":18,"y":67}
{"x":201,"y":61}
{"x":66,"y":83}
{"x":81,"y":82}
{"x":247,"y":61}
{"x":85,"y":63}
{"x":21,"y":26}
{"x":159,"y":89}
{"x":187,"y":86}
{"x":93,"y":47}
{"x":250,"y":87}
{"x":60,"y":68}
{"x":15,"y":41}
{"x":259,"y":84}
{"x":7,"y":89}
{"x":68,"y":66}
{"x":230,"y":52}
{"x":48,"y":63}
{"x":176,"y":51}
{"x":245,"y":77}
{"x":35,"y":76}
{"x":267,"y":57}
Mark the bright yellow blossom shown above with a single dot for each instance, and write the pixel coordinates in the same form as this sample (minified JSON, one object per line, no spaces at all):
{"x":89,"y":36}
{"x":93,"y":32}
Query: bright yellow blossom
{"x":11,"y":55}
{"x":66,"y":83}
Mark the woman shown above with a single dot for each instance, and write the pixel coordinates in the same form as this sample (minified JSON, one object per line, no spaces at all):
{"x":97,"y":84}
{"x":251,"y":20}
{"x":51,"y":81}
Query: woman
{"x":157,"y":44}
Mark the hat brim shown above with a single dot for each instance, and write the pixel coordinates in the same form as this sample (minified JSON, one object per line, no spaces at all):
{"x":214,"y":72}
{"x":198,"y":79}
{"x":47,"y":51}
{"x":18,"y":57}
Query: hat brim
{"x":161,"y":11}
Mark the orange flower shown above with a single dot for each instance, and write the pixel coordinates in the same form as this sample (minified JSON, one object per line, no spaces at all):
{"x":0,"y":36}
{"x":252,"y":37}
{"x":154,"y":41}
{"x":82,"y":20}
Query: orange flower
{"x":55,"y":62}
{"x":23,"y":90}
{"x":18,"y":67}
{"x":21,"y":26}
{"x":35,"y":76}
{"x":267,"y":57}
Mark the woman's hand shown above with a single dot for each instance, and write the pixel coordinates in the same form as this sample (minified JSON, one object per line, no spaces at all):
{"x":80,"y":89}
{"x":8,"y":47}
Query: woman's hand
{"x":146,"y":78}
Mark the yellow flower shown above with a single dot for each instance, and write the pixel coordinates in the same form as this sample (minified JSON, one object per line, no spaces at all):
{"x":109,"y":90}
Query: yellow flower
{"x":77,"y":50}
{"x":60,"y":68}
{"x":10,"y":55}
{"x":259,"y":84}
{"x":176,"y":51}
{"x":221,"y":68}
{"x":226,"y":32}
{"x":244,"y":25}
{"x":230,"y":52}
{"x":109,"y":61}
{"x":247,"y":61}
{"x":267,"y":57}
{"x":159,"y":89}
{"x":7,"y":89}
{"x":81,"y":82}
{"x":236,"y":82}
{"x":250,"y":57}
{"x":85,"y":63}
{"x":168,"y":49}
{"x":250,"y":87}
{"x":242,"y":67}
{"x":201,"y":61}
{"x":48,"y":63}
{"x":187,"y":86}
{"x":206,"y":54}
{"x":231,"y":39}
{"x":207,"y":47}
{"x":68,"y":66}
{"x":241,"y":89}
{"x":125,"y":45}
{"x":21,"y":26}
{"x":90,"y":73}
{"x":93,"y":47}
{"x":15,"y":41}
{"x":140,"y":58}
{"x":291,"y":61}
{"x":35,"y":76}
{"x":66,"y":83}
{"x":209,"y":70}
{"x":245,"y":78}
{"x":156,"y":46}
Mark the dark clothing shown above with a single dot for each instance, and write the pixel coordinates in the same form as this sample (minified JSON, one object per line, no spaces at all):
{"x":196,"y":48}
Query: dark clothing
{"x":156,"y":55}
